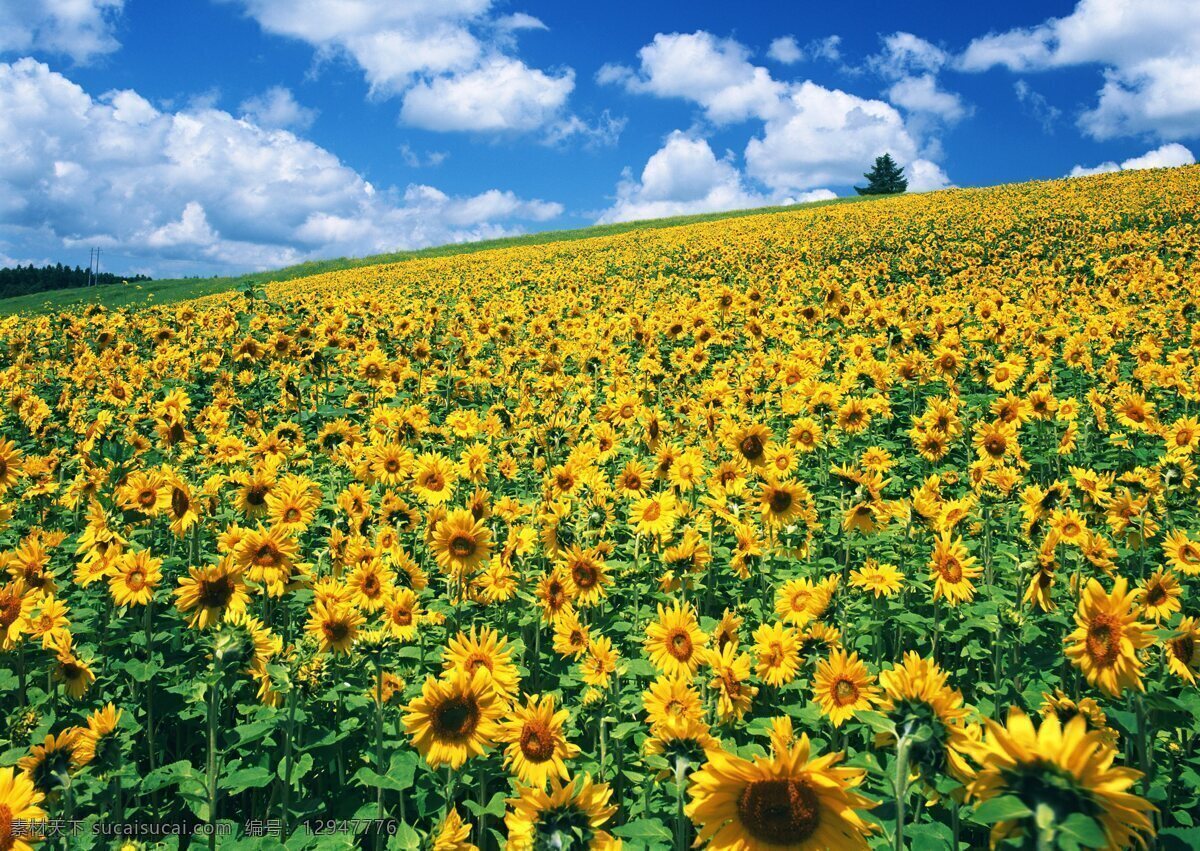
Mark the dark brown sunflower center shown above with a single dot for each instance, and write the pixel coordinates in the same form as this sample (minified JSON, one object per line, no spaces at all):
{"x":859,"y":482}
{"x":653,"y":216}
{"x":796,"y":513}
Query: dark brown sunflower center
{"x":537,"y":742}
{"x":10,"y":610}
{"x":751,"y":447}
{"x":291,"y":515}
{"x":995,"y":446}
{"x":1104,"y":641}
{"x":781,"y":501}
{"x":680,"y":645}
{"x":845,"y":691}
{"x":267,"y":556}
{"x":780,"y":812}
{"x":1155,"y":595}
{"x":456,"y":718}
{"x":462,"y":545}
{"x":402,"y":617}
{"x":256,"y":495}
{"x":147,"y":497}
{"x":951,"y":569}
{"x":337,"y":631}
{"x":584,"y":575}
{"x":1184,"y":649}
{"x":136,"y":580}
{"x":215,"y":593}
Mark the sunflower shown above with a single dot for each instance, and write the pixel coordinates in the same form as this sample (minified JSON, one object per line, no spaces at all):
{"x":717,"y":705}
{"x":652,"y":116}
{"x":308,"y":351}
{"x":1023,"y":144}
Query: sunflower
{"x":454,"y":719}
{"x":670,"y":697}
{"x":1064,"y":708}
{"x":11,"y":467}
{"x":74,"y":673}
{"x":134,"y":577}
{"x":49,"y":765}
{"x":19,"y":800}
{"x":789,"y":800}
{"x":209,"y":592}
{"x":453,"y":834}
{"x":799,"y":601}
{"x":461,"y":543}
{"x":1183,"y":553}
{"x":371,"y":581}
{"x":434,"y":477}
{"x":334,"y":626}
{"x":98,"y":745}
{"x":181,"y":507}
{"x":600,"y":663}
{"x":783,"y":502}
{"x":1108,"y":635}
{"x":15,"y":609}
{"x":1058,"y":771}
{"x":587,"y":576}
{"x":569,"y":812}
{"x":552,"y":593}
{"x":484,"y":649}
{"x":144,"y":492}
{"x":1183,"y":651}
{"x":402,"y":614}
{"x":1159,"y":595}
{"x":266,"y":556}
{"x":777,"y":650}
{"x":751,"y":443}
{"x":731,"y":672}
{"x":570,"y":635}
{"x":843,"y":686}
{"x":916,"y":693}
{"x":654,"y":515}
{"x":390,"y":464}
{"x":952,"y":570}
{"x":537,"y":747}
{"x":883,"y":580}
{"x":293,"y":504}
{"x":675,"y":641}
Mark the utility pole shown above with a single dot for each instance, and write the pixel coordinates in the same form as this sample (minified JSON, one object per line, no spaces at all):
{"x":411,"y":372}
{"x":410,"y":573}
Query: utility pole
{"x":91,"y":264}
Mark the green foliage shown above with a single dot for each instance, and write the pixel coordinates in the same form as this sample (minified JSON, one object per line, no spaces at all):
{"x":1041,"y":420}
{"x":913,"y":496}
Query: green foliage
{"x":884,"y":178}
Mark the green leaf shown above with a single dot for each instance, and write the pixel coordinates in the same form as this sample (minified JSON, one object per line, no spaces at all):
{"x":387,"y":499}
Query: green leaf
{"x":877,"y":721}
{"x":245,"y":778}
{"x":494,"y":808}
{"x":1085,"y":830}
{"x":647,"y":830}
{"x":1003,"y":808}
{"x":368,"y":776}
{"x":405,"y":839}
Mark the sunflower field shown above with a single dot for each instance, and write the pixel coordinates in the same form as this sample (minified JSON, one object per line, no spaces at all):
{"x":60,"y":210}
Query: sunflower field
{"x":868,"y":525}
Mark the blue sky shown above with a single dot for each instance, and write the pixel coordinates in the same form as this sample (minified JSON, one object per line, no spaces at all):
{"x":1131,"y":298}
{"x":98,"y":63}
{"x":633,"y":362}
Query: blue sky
{"x":212,"y":136}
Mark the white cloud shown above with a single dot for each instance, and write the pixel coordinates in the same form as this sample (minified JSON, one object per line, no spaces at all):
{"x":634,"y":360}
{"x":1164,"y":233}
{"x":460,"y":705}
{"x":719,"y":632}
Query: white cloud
{"x":1149,"y":51}
{"x":1037,"y":106}
{"x":922,"y":94}
{"x":80,"y":29}
{"x":785,"y":50}
{"x":448,"y":59}
{"x":683,"y":176}
{"x":714,"y":72}
{"x":200,"y":190}
{"x":277,"y":108}
{"x":925,"y":176}
{"x":826,"y":137}
{"x":811,"y":136}
{"x":912,"y":64}
{"x":1167,"y":156}
{"x":502,"y":94}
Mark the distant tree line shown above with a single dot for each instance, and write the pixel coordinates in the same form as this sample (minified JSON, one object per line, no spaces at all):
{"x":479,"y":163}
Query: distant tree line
{"x":23,"y":280}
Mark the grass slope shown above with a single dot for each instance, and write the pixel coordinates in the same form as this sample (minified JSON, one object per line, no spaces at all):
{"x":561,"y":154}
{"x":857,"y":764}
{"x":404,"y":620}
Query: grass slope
{"x":179,"y":289}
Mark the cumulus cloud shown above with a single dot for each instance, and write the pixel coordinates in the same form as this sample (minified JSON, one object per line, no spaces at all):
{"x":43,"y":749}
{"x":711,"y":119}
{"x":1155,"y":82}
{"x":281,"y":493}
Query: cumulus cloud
{"x":79,"y":29}
{"x":811,"y":136}
{"x":502,"y":94}
{"x":200,"y":188}
{"x":448,"y":59}
{"x":1168,"y":156}
{"x":1149,"y":52}
{"x":277,"y":108}
{"x":911,"y":64}
{"x":785,"y":50}
{"x":1037,"y":106}
{"x":684,"y":176}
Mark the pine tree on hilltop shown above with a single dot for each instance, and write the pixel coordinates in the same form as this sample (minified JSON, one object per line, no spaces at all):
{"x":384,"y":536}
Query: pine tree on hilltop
{"x":884,"y":178}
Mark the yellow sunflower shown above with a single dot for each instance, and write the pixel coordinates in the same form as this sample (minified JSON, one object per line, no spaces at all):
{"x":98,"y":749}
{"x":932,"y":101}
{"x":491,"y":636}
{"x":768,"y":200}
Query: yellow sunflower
{"x":334,"y":626}
{"x":209,"y":592}
{"x":777,"y":650}
{"x":569,"y":812}
{"x":536,"y":744}
{"x":455,"y":718}
{"x":843,"y":686}
{"x":675,"y":641}
{"x":133,"y":578}
{"x":19,"y":801}
{"x":1057,"y":771}
{"x":461,"y":543}
{"x":484,"y":649}
{"x":953,"y":570}
{"x":791,"y":800}
{"x":1107,"y":637}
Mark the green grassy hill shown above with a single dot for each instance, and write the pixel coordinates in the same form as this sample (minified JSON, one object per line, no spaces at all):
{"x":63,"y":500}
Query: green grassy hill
{"x":170,"y":290}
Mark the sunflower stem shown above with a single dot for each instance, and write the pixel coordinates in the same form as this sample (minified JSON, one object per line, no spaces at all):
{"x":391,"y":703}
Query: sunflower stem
{"x":287,"y":758}
{"x":214,"y":707}
{"x":900,"y":786}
